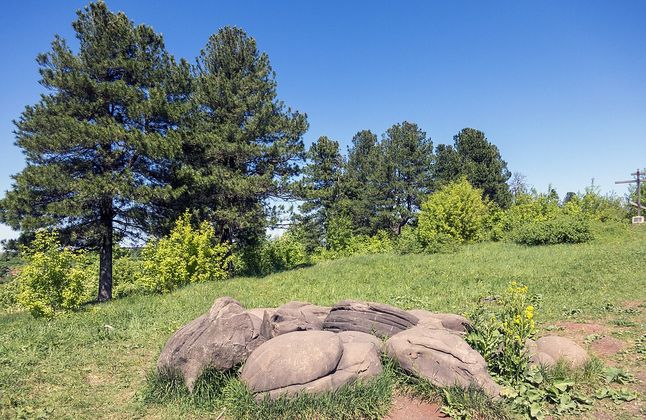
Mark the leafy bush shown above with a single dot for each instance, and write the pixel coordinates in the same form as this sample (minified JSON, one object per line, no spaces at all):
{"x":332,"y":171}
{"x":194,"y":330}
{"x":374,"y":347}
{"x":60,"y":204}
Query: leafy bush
{"x":282,"y":253}
{"x":559,"y":230}
{"x":408,"y":241}
{"x":500,"y":334}
{"x":9,"y":295}
{"x":53,"y":278}
{"x":454,"y":213}
{"x":185,"y":256}
{"x":126,"y":272}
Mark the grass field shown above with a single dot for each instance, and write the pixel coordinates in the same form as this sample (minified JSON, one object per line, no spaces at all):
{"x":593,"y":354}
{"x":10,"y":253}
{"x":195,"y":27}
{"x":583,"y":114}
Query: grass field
{"x":94,"y":363}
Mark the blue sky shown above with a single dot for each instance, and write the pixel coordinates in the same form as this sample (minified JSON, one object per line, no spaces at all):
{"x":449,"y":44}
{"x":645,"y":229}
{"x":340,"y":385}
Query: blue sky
{"x":558,"y":86}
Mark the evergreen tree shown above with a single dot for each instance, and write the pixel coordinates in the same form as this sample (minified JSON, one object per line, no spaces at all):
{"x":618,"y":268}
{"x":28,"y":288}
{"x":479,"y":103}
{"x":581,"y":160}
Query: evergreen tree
{"x":97,"y":144}
{"x":404,"y":176}
{"x":361,"y":180}
{"x":241,"y":145}
{"x":321,"y":188}
{"x":473,"y":156}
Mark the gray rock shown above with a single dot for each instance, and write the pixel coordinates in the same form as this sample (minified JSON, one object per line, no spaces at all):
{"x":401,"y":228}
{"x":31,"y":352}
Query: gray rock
{"x":442,"y":357}
{"x":308,"y":361}
{"x":368,"y":317}
{"x":260,"y":312}
{"x":360,"y":337}
{"x":438,"y":320}
{"x":547,"y":351}
{"x":221,"y":339}
{"x":295,"y":316}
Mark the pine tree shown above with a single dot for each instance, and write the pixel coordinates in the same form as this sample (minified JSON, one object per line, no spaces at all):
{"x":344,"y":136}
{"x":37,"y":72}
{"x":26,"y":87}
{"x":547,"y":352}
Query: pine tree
{"x":98,"y":143}
{"x":473,"y":156}
{"x":322,"y":189}
{"x":241,"y":145}
{"x":405,"y":174}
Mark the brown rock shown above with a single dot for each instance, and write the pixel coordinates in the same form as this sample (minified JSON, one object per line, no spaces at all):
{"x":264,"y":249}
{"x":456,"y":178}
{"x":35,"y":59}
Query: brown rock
{"x":437,"y":320}
{"x":296,"y":316}
{"x":221,"y":339}
{"x":442,"y":357}
{"x":561,"y":348}
{"x":360,"y":337}
{"x":368,"y":317}
{"x":308,"y":361}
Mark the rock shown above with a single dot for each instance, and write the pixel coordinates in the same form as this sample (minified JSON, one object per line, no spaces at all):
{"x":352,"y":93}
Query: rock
{"x":442,"y":357}
{"x":436,"y":320}
{"x":368,"y":317}
{"x":308,"y":361}
{"x":260,"y":312}
{"x":221,"y":339}
{"x":549,"y":350}
{"x":296,"y":316}
{"x":360,"y":337}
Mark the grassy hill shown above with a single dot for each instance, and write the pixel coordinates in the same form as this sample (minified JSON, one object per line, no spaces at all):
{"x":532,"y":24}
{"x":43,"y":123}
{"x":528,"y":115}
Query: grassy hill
{"x":94,"y":363}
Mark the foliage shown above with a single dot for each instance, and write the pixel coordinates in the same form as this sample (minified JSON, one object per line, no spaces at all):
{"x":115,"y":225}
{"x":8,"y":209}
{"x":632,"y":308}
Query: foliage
{"x":500,"y":334}
{"x":52,"y":279}
{"x":474,"y":157}
{"x":559,"y":230}
{"x":272,"y":255}
{"x":97,"y":143}
{"x":456,"y":211}
{"x":240,"y":144}
{"x":187,"y":255}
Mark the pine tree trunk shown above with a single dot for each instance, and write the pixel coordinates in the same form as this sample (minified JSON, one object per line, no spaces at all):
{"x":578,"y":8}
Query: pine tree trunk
{"x":105,"y":258}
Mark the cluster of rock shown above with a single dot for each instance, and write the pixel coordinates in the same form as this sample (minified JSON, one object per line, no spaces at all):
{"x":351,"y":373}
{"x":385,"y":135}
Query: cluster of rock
{"x":300,"y":347}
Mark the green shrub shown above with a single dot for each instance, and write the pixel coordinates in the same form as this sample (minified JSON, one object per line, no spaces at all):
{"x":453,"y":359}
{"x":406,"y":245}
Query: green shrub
{"x":53,"y":278}
{"x":126,"y":271}
{"x":185,"y":256}
{"x":9,"y":295}
{"x":558,"y":230}
{"x":282,"y":253}
{"x":603,"y":208}
{"x":454,"y":213}
{"x":499,"y":335}
{"x":408,"y":241}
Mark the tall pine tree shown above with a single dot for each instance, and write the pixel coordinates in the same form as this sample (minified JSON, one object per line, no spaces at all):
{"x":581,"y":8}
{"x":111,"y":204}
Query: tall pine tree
{"x":473,"y":156}
{"x":241,"y":145}
{"x":98,"y":142}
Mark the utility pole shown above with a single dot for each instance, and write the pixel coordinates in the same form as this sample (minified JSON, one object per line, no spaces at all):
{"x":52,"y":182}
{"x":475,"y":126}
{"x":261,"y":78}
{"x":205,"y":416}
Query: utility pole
{"x":638,"y":180}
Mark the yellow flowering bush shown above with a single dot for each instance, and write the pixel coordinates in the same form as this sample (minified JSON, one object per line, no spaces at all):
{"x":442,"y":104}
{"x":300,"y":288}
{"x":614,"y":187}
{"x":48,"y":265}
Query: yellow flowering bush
{"x":53,"y":278}
{"x":185,"y":256}
{"x":500,"y":334}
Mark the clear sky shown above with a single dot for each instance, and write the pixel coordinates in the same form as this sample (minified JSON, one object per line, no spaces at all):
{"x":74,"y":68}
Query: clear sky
{"x":559,"y":86}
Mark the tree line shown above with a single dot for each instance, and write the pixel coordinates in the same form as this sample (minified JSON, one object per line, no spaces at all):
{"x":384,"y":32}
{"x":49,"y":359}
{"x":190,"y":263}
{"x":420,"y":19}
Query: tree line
{"x":127,"y":138}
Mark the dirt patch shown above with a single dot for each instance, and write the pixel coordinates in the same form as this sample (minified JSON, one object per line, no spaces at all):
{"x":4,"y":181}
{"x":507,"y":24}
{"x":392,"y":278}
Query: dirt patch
{"x":629,"y":304}
{"x":578,"y":331}
{"x":406,"y":408}
{"x":607,"y":346}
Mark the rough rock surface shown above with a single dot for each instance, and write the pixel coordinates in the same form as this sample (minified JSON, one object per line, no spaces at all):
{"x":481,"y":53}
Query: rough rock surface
{"x":437,"y":320}
{"x":548,"y":350}
{"x":294,"y":316}
{"x":368,"y":317}
{"x":260,"y":312}
{"x":360,"y":337}
{"x":308,"y":361}
{"x":442,"y":357}
{"x":222,"y":338}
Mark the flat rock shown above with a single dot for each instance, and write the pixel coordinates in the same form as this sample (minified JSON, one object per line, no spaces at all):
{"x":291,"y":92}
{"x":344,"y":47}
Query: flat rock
{"x":437,"y":320}
{"x":294,"y":316}
{"x":368,"y":317}
{"x":308,"y":361}
{"x":557,"y":348}
{"x":442,"y":357}
{"x":360,"y":337}
{"x":220,"y":339}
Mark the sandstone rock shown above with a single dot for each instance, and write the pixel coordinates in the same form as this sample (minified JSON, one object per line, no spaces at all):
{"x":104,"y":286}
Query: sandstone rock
{"x":437,"y":320}
{"x":308,"y":361}
{"x":222,"y":338}
{"x":295,"y":316}
{"x":547,"y":351}
{"x":368,"y":317}
{"x":260,"y":312}
{"x":360,"y":337}
{"x":442,"y":357}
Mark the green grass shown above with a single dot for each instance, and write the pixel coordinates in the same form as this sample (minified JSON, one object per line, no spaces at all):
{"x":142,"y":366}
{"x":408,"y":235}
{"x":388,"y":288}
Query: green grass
{"x":97,"y":362}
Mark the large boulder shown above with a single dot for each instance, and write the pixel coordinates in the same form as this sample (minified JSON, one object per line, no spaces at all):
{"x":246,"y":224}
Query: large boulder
{"x":360,"y":337}
{"x":220,"y":339}
{"x":368,"y":317}
{"x":548,"y":350}
{"x":294,"y":316}
{"x":308,"y":361}
{"x":437,"y":320}
{"x":442,"y":357}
